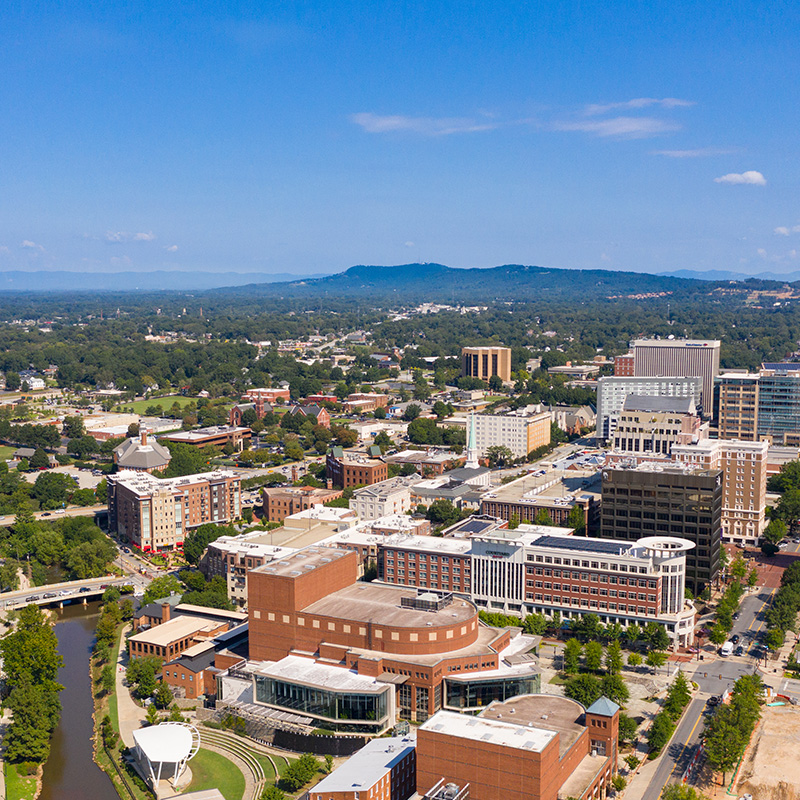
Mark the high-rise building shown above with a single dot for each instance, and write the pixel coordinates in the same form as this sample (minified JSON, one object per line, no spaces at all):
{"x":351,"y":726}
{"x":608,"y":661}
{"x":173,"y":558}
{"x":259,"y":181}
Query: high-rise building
{"x":518,"y":431}
{"x":760,"y":405}
{"x":744,"y":486}
{"x":674,"y":499}
{"x":681,"y":358}
{"x":613,"y":390}
{"x":483,"y":362}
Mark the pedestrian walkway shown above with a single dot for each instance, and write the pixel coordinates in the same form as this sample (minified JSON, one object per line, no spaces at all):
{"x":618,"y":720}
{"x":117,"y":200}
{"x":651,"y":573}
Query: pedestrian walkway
{"x":130,"y":717}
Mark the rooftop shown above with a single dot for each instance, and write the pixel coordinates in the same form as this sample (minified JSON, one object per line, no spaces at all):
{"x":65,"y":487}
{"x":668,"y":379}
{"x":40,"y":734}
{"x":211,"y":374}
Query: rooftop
{"x":168,"y":742}
{"x":547,"y":712}
{"x":176,"y":628}
{"x":676,"y":343}
{"x":144,"y":484}
{"x":301,"y":561}
{"x":366,"y":767}
{"x":487,"y":729}
{"x":583,"y":544}
{"x":380,"y":604}
{"x":204,"y":433}
{"x":298,"y":669}
{"x":386,"y":488}
{"x":659,"y":404}
{"x":554,"y":487}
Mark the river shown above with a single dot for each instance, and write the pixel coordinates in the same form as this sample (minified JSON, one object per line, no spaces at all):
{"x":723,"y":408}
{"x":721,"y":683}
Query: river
{"x":70,"y":772}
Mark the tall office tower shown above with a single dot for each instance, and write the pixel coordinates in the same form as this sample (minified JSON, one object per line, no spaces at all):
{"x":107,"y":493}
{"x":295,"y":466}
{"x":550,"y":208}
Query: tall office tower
{"x":667,"y":499}
{"x":613,"y":390}
{"x":744,"y":485}
{"x":762,"y":405}
{"x":483,"y":362}
{"x":679,"y":357}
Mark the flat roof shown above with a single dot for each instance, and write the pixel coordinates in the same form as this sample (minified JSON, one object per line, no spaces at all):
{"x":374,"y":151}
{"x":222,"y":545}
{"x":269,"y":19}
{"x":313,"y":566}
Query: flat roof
{"x":204,"y":433}
{"x":380,"y":604}
{"x":297,"y":669}
{"x":366,"y":767}
{"x":492,"y":731}
{"x":544,"y":711}
{"x":584,"y":544}
{"x":305,"y":560}
{"x":143,"y":483}
{"x":176,"y":628}
{"x":168,"y":743}
{"x":210,"y":613}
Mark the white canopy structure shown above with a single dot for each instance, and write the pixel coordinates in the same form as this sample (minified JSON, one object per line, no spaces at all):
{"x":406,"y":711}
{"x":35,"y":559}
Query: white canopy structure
{"x":168,"y":745}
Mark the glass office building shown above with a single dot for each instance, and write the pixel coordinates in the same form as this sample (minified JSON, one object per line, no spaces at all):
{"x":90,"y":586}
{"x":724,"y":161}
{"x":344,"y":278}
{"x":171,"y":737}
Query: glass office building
{"x":465,"y":694}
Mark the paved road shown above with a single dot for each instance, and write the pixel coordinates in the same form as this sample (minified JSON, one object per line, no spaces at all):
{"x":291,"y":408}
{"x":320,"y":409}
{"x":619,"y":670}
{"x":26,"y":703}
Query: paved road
{"x":77,"y":511}
{"x":65,"y":589}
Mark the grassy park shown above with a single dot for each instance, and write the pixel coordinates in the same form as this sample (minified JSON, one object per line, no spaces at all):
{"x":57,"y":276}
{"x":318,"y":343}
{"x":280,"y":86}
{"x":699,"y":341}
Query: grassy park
{"x":213,"y":771}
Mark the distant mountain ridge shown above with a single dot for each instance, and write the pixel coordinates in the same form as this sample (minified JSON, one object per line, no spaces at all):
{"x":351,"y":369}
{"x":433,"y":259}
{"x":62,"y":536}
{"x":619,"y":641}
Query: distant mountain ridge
{"x":725,"y":275}
{"x":156,"y":280}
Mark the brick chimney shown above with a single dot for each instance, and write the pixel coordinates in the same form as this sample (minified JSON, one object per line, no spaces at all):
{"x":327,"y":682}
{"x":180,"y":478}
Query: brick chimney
{"x":166,"y":610}
{"x":143,"y":437}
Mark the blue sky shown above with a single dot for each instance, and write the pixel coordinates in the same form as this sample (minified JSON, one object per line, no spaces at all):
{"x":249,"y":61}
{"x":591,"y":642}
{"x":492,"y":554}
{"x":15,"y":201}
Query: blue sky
{"x":309,"y":136}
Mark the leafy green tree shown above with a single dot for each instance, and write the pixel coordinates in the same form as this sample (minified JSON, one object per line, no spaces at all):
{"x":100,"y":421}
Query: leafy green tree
{"x":152,"y":717}
{"x":163,"y":697}
{"x":572,"y":656}
{"x":788,"y":508}
{"x":583,"y":688}
{"x":576,"y":519}
{"x":31,"y":649}
{"x":107,"y":678}
{"x":613,"y":660}
{"x":499,"y":455}
{"x":442,"y":513}
{"x":272,"y":793}
{"x":614,"y":688}
{"x":752,"y":578}
{"x":197,"y":540}
{"x":162,"y":587}
{"x":627,"y":728}
{"x":543,"y":518}
{"x":680,"y":791}
{"x":535,"y":624}
{"x":718,"y":635}
{"x":52,"y":488}
{"x":73,"y":427}
{"x":90,"y":559}
{"x":739,"y":568}
{"x":659,"y":733}
{"x":724,"y":741}
{"x":776,"y":531}
{"x":656,"y":659}
{"x":678,"y":696}
{"x":39,"y":459}
{"x":634,"y":660}
{"x":300,"y":772}
{"x":593,"y":655}
{"x":411,"y":412}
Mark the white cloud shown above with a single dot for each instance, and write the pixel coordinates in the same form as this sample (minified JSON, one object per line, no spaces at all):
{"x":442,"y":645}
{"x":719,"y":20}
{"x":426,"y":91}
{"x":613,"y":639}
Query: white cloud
{"x":425,"y":126}
{"x":123,"y":236}
{"x":173,"y":248}
{"x":637,"y":102}
{"x":700,"y":152}
{"x":409,"y":244}
{"x":750,"y":177}
{"x":782,"y":230}
{"x":29,"y":245}
{"x":621,"y":127}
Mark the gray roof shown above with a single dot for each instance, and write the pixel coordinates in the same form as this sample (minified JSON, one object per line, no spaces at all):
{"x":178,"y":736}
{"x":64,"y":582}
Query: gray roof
{"x":466,"y":473}
{"x":676,"y":405}
{"x":132,"y":454}
{"x":603,"y":707}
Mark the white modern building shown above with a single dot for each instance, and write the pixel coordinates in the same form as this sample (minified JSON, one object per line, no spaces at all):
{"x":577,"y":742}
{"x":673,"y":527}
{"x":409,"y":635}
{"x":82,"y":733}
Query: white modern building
{"x":381,"y":499}
{"x":613,"y":390}
{"x":162,"y":751}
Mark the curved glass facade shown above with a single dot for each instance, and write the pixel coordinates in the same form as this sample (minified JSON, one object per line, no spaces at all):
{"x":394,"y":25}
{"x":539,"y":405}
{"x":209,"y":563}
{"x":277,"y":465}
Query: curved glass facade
{"x":463,"y":695}
{"x":360,"y":711}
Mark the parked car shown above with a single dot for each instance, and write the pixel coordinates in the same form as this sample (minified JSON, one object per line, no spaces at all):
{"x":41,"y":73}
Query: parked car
{"x":736,"y":615}
{"x":714,"y":700}
{"x":735,"y":638}
{"x":739,"y":651}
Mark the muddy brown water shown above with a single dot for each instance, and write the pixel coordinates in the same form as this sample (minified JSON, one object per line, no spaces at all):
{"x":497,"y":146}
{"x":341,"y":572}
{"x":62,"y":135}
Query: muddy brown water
{"x":70,"y":772}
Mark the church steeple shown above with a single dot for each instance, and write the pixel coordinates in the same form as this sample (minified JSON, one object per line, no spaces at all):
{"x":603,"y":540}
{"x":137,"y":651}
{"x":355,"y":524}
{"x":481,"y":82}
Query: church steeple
{"x":472,"y":448}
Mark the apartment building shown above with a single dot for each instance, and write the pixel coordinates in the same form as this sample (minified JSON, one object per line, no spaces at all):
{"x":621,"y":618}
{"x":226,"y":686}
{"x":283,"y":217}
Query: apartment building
{"x":673,"y":499}
{"x":347,"y":470}
{"x":279,"y":502}
{"x":214,"y":436}
{"x":392,"y":496}
{"x":612,"y":391}
{"x":363,"y":402}
{"x":736,"y":405}
{"x":155,"y":514}
{"x":679,"y":358}
{"x":484,"y":362}
{"x":623,"y":365}
{"x":744,"y":483}
{"x":519,"y":432}
{"x":653,"y":425}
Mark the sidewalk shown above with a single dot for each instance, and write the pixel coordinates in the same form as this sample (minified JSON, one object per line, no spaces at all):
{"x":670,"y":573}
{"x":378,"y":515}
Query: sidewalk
{"x":130,"y":717}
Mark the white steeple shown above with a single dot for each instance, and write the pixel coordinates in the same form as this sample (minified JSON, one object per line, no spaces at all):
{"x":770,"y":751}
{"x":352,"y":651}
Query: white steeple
{"x":472,"y":449}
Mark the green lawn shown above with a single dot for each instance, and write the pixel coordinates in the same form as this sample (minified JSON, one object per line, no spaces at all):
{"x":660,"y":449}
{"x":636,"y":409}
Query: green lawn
{"x":6,"y":452}
{"x":19,"y":787}
{"x":266,"y":765}
{"x":213,"y":771}
{"x":165,"y":402}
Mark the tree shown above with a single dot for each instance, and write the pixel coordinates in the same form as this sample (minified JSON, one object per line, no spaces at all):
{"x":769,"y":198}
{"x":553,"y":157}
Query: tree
{"x":593,"y":654}
{"x":583,"y":688}
{"x":738,"y":568}
{"x":576,"y":519}
{"x":300,"y":772}
{"x":627,"y":728}
{"x":272,"y":793}
{"x":412,"y":412}
{"x":656,"y":659}
{"x":197,"y":540}
{"x":12,"y":381}
{"x":383,"y":441}
{"x":618,"y":782}
{"x":634,"y":660}
{"x":535,"y":624}
{"x":442,"y":410}
{"x":614,"y":658}
{"x":718,"y":635}
{"x":680,"y":791}
{"x":73,"y":427}
{"x":152,"y":717}
{"x":90,"y":559}
{"x":724,"y":741}
{"x":39,"y":459}
{"x":543,"y":518}
{"x":442,"y":513}
{"x":162,"y":587}
{"x":51,"y":489}
{"x":788,"y":508}
{"x":107,"y":678}
{"x":752,"y":578}
{"x":775,"y":532}
{"x":572,"y":656}
{"x":499,"y":455}
{"x":659,"y":733}
{"x":614,"y":688}
{"x":678,"y":696}
{"x":163,"y":697}
{"x":328,"y":763}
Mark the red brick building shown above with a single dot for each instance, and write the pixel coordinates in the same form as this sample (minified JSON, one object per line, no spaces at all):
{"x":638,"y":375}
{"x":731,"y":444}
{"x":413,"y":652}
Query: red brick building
{"x":281,"y":502}
{"x":624,"y":365}
{"x":347,"y":470}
